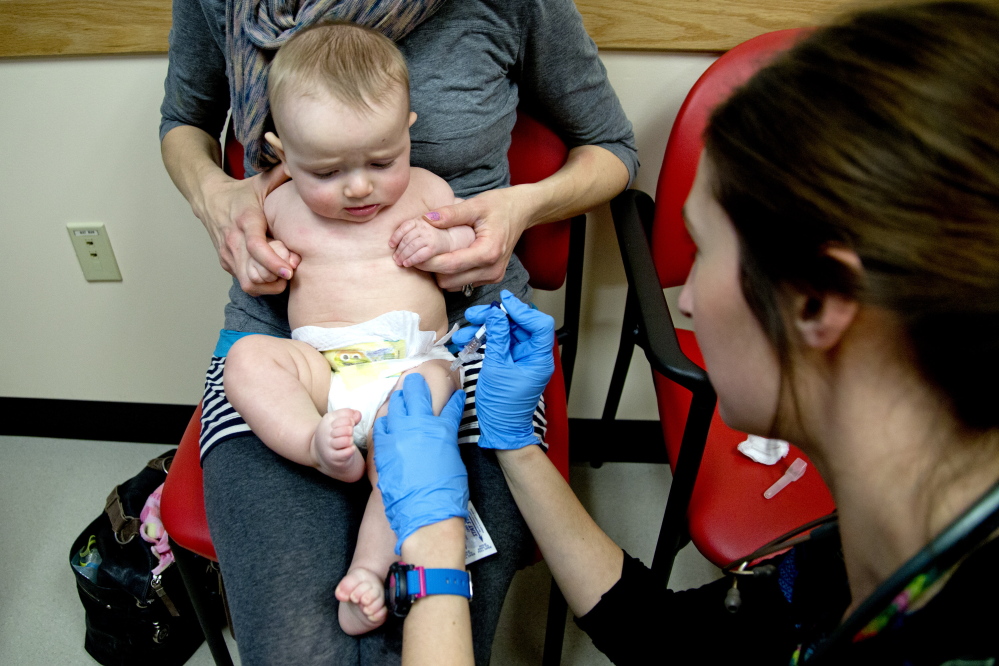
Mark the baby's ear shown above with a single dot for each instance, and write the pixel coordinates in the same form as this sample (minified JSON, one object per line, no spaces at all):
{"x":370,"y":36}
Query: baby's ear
{"x":412,"y":118}
{"x":275,"y":143}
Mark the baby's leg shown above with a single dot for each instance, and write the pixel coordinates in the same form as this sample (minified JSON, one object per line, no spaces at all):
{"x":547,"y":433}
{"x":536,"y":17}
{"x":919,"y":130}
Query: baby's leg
{"x":281,"y":388}
{"x":362,"y":591}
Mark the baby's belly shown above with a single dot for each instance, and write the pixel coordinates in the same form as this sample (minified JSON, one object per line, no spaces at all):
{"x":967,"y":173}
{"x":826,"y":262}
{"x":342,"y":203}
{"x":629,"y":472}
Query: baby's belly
{"x":348,"y":295}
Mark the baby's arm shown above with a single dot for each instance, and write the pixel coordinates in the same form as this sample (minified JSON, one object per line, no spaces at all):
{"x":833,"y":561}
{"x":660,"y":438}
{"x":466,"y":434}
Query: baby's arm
{"x":416,"y":240}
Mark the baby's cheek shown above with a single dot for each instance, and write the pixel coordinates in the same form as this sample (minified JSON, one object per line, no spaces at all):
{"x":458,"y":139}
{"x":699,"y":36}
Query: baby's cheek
{"x":320,"y":202}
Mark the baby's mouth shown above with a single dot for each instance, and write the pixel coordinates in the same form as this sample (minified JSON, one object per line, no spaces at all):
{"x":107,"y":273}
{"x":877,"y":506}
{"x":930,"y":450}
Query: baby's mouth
{"x":362,"y":211}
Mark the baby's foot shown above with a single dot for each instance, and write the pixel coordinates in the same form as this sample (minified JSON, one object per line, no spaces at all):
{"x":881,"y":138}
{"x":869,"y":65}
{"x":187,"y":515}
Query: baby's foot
{"x":362,"y":601}
{"x":333,"y":446}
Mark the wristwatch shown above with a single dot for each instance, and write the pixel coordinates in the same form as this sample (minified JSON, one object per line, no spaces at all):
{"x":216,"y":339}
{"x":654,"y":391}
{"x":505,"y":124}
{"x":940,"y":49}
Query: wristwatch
{"x":406,"y":583}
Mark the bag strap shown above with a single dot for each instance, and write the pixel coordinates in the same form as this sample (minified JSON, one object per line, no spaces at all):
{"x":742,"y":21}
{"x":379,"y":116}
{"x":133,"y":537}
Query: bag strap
{"x":127,"y":527}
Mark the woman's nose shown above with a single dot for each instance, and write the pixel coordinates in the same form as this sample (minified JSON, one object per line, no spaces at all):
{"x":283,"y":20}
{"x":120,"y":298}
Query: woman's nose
{"x":359,"y":185}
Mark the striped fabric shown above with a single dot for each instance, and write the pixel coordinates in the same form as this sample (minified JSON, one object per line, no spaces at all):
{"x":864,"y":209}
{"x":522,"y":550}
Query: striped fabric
{"x":468,"y":429}
{"x":219,"y":421}
{"x":256,"y":28}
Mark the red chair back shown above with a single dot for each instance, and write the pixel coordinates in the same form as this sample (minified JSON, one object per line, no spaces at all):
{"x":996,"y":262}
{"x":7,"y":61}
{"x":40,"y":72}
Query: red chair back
{"x":672,"y":249}
{"x":536,"y":152}
{"x":728,"y":516}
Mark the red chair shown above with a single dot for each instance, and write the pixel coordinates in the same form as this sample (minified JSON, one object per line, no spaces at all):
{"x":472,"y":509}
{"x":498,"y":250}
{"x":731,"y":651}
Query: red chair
{"x":552,"y":255}
{"x":716,"y":499}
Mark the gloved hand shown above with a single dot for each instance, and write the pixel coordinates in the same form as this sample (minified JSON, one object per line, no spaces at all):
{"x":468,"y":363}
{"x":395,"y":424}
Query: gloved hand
{"x":421,"y":476}
{"x":517,"y":366}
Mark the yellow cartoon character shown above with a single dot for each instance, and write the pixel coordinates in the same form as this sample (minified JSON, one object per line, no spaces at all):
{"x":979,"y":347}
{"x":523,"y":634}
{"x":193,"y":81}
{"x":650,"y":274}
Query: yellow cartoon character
{"x":365,"y":352}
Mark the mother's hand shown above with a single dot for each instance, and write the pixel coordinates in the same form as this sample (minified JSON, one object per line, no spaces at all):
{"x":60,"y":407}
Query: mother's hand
{"x":420,"y":473}
{"x":233,"y":214}
{"x":499,"y":217}
{"x":518,"y":364}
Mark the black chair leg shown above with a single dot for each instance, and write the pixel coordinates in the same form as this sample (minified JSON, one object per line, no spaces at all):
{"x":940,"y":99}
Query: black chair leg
{"x":188,"y":566}
{"x":554,"y":627}
{"x":625,"y":350}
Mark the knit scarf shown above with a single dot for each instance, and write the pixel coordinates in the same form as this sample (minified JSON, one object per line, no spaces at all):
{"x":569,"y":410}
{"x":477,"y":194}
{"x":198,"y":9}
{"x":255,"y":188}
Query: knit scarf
{"x":256,"y":28}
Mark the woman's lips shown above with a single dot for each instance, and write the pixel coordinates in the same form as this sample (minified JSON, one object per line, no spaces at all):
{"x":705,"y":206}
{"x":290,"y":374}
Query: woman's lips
{"x":362,"y":211}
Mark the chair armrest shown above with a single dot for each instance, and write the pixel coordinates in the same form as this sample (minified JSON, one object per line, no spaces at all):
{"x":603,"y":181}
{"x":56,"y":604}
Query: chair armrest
{"x":633,"y":211}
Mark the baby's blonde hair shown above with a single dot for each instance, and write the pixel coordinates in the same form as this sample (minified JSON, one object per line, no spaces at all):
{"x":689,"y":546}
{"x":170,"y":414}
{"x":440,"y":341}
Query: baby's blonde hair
{"x":357,"y":66}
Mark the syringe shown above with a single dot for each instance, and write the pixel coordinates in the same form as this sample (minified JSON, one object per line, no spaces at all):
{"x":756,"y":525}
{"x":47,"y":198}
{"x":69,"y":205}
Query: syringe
{"x":469,"y":352}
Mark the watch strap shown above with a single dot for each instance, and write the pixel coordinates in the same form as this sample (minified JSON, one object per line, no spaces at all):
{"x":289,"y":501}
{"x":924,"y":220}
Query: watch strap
{"x":422,"y":582}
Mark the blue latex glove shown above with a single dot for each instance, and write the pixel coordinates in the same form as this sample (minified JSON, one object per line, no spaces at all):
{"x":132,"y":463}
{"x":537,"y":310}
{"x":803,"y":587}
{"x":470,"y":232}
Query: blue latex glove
{"x":420,"y":473}
{"x":517,"y":366}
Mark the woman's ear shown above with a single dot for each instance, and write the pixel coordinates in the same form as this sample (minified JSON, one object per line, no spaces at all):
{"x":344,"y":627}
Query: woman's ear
{"x":822,"y":320}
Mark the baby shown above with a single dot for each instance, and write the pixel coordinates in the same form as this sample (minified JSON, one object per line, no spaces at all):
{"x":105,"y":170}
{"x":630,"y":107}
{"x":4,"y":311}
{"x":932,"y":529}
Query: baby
{"x":339,"y":96}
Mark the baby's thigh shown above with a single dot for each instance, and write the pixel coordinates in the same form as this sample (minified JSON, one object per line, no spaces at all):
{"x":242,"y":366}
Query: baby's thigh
{"x":258,"y":363}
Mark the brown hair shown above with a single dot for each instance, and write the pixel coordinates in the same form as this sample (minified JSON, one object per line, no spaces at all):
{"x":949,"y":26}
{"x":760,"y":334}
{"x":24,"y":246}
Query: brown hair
{"x":879,"y":133}
{"x":355,"y":65}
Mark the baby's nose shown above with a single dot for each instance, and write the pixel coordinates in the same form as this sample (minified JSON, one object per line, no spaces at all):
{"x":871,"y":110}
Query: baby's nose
{"x":359,"y":186}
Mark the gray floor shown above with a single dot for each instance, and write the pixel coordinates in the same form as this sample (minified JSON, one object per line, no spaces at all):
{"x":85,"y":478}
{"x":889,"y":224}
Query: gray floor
{"x":53,"y":488}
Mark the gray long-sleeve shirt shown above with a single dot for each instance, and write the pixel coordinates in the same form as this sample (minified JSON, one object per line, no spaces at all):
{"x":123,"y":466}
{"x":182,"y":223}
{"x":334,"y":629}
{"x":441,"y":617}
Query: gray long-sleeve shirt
{"x":471,"y":65}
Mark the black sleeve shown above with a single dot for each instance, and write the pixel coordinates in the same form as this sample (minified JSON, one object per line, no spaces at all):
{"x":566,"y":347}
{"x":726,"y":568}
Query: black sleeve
{"x":639,"y":618}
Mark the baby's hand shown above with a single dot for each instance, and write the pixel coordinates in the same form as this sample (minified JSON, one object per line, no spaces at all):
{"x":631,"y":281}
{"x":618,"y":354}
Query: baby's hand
{"x":257,"y":271}
{"x":415,"y":241}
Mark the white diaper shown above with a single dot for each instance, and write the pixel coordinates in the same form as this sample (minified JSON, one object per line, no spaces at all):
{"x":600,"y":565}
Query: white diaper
{"x":367,"y":360}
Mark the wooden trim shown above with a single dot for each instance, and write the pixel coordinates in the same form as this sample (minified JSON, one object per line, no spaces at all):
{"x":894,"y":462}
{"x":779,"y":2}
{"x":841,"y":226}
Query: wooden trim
{"x":34,"y":28}
{"x":696,"y":25}
{"x":77,"y":27}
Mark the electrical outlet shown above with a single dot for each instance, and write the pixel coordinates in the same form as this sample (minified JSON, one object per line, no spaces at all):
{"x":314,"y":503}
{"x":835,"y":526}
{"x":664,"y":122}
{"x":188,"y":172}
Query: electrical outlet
{"x":93,"y":249}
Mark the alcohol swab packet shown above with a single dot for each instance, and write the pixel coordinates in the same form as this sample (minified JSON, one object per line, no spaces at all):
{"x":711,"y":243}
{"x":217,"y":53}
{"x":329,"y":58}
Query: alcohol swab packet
{"x":793,"y":473}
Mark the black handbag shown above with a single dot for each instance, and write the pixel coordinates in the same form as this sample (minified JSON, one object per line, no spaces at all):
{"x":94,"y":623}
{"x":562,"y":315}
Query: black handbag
{"x":134,"y":617}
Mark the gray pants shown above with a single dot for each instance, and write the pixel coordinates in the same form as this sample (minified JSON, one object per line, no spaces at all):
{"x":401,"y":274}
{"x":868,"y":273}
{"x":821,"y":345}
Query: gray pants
{"x":285,"y":534}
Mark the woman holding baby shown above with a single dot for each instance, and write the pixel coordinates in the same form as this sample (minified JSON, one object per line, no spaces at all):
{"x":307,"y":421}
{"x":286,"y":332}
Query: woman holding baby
{"x":283,"y":532}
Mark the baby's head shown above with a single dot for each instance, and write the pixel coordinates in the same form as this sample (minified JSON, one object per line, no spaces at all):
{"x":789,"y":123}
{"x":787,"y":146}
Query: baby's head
{"x":339,"y":96}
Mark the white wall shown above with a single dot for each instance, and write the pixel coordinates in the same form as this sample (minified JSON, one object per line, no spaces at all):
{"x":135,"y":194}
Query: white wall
{"x":78,"y":140}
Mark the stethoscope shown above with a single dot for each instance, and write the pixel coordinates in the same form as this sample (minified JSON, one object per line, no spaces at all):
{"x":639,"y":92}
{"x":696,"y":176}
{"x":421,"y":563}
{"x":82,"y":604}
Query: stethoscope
{"x":960,"y":538}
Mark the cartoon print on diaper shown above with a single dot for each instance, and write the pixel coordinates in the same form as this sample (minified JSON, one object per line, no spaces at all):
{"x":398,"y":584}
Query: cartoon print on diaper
{"x":365,"y":352}
{"x":364,"y":362}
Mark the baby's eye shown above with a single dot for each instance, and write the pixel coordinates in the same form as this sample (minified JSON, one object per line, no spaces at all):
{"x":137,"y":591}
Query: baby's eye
{"x":325,"y":174}
{"x":382,"y":165}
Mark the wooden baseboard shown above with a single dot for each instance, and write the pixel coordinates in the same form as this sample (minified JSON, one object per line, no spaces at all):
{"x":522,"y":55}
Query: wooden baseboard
{"x":89,"y":419}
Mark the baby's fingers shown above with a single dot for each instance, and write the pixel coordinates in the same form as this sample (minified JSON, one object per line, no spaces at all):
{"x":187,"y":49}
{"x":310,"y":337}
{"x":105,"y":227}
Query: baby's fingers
{"x":258,"y":273}
{"x":400,"y":232}
{"x":409,"y":247}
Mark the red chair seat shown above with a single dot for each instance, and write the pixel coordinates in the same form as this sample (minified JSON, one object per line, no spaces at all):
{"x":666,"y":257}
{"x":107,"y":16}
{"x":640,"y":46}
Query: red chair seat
{"x":183,"y":503}
{"x":727,"y":502}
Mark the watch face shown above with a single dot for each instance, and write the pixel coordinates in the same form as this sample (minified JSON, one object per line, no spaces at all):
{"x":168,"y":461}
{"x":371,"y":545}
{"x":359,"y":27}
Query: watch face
{"x":397,"y":598}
